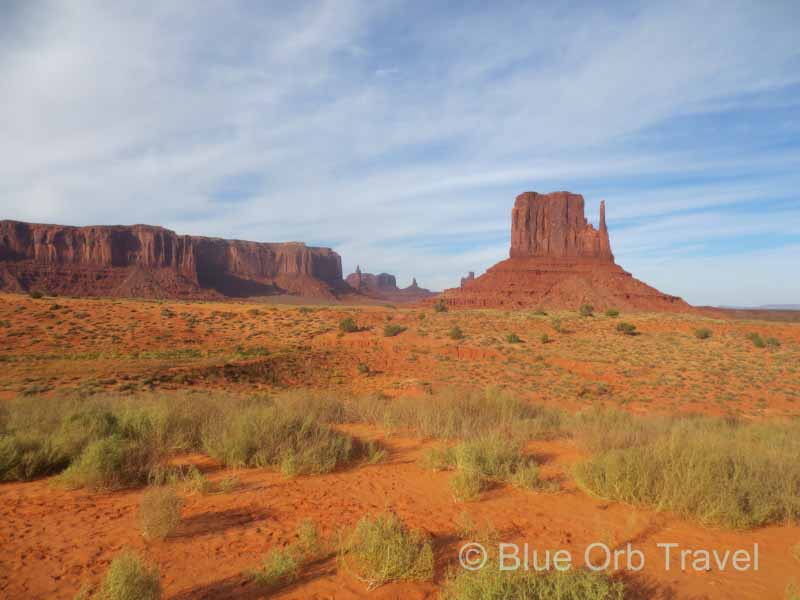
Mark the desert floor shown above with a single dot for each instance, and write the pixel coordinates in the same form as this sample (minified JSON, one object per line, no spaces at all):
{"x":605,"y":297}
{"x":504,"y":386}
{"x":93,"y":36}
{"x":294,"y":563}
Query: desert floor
{"x":53,"y":541}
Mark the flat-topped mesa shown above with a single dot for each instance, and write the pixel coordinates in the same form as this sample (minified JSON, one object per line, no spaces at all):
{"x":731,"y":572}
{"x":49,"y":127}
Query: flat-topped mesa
{"x":384,"y":287}
{"x":554,"y":226}
{"x":151,"y":261}
{"x":558,"y":260}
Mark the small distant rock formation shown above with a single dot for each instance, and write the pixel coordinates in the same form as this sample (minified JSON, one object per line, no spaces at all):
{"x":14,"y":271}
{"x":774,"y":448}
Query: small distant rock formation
{"x":154,"y":262}
{"x":558,"y":260}
{"x":384,"y":287}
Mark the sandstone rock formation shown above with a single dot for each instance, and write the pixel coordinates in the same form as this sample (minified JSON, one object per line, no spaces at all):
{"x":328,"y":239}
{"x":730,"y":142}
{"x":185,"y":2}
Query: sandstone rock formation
{"x":384,"y":286}
{"x":150,"y":261}
{"x":558,"y":260}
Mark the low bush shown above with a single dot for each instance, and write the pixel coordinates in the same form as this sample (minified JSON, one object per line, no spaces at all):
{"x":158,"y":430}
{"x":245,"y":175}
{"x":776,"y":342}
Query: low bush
{"x":130,"y":578}
{"x":159,"y":512}
{"x":587,"y":310}
{"x":382,"y":549}
{"x":702,"y":333}
{"x":276,"y":437}
{"x":492,"y":583}
{"x":772,"y":342}
{"x":544,"y":338}
{"x":392,"y":329}
{"x":513,"y":338}
{"x":456,"y":333}
{"x":282,"y":566}
{"x":612,"y":312}
{"x":468,"y":485}
{"x":36,"y":294}
{"x":626,"y":328}
{"x":439,"y":306}
{"x":111,"y":463}
{"x":348,"y":325}
{"x":717,"y":472}
{"x":757,"y":340}
{"x":556,"y":325}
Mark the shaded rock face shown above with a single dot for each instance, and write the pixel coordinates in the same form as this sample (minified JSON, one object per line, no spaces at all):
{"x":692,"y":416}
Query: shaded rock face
{"x":149,"y":261}
{"x":558,"y":260}
{"x":554,"y":225}
{"x":384,"y":286}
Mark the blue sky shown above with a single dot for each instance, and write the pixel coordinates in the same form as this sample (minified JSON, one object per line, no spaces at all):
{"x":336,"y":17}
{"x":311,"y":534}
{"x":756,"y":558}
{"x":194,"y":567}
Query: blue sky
{"x":399,"y":133}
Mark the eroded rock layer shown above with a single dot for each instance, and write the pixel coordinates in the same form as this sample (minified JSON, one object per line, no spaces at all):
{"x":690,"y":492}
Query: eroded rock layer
{"x":150,"y":261}
{"x":384,"y":286}
{"x":558,"y":260}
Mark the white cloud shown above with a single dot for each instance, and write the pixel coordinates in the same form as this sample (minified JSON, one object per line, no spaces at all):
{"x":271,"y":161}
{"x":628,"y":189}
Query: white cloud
{"x":374,"y":128}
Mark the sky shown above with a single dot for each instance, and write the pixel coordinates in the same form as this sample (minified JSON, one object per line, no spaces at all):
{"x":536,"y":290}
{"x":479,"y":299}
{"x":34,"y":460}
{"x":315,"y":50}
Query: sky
{"x":399,"y":133}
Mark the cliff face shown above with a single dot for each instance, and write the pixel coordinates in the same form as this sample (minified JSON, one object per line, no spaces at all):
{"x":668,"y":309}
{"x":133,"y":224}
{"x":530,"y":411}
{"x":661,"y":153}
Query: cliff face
{"x":144,"y":260}
{"x":554,"y":225}
{"x":558,"y":260}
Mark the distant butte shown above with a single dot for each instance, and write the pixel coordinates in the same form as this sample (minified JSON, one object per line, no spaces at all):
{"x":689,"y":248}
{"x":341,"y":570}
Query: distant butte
{"x":558,"y":260}
{"x":384,"y":286}
{"x":153,"y":262}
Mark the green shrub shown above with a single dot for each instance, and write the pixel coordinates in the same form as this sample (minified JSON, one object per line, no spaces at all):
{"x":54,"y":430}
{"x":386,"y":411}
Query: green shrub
{"x":348,"y":325}
{"x":612,"y":312}
{"x":716,"y":472}
{"x":702,"y":333}
{"x":110,"y":463}
{"x":129,"y":578}
{"x":456,"y":333}
{"x":363,"y":368}
{"x":468,"y":485}
{"x":527,"y":477}
{"x":540,"y":313}
{"x":273,"y":436}
{"x":491,"y":583}
{"x":280,"y":567}
{"x":757,"y":340}
{"x":25,"y":456}
{"x":382,"y":549}
{"x":626,"y":328}
{"x":772,"y":342}
{"x":556,"y":325}
{"x":392,"y":329}
{"x":544,"y":338}
{"x":440,"y":306}
{"x":36,"y":294}
{"x":587,"y":310}
{"x":159,"y":512}
{"x":513,"y":338}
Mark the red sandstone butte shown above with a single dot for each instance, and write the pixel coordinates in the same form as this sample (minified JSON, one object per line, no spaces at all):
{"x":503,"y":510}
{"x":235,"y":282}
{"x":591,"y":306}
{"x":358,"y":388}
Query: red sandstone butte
{"x":558,"y":260}
{"x":384,"y":286}
{"x":153,"y":262}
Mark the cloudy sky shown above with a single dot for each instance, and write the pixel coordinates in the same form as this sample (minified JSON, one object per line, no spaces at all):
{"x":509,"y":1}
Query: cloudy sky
{"x":399,"y":133}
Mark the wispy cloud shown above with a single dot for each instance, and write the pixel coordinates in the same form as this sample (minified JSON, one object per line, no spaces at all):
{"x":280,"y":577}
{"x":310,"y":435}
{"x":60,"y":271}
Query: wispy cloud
{"x":400,"y":133}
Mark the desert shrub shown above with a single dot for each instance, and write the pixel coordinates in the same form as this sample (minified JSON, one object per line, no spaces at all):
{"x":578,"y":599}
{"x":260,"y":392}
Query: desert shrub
{"x":159,"y":512}
{"x":195,"y":482}
{"x":540,"y":313}
{"x":513,"y":338}
{"x":280,"y":567}
{"x":229,"y":484}
{"x":612,"y":312}
{"x":392,"y":329}
{"x":320,"y":406}
{"x":468,"y":485}
{"x":439,"y":306}
{"x":382,"y":549}
{"x":527,"y":477}
{"x":792,"y":591}
{"x":273,"y":436}
{"x":348,"y":325}
{"x":772,"y":342}
{"x":586,"y":310}
{"x":110,"y":463}
{"x":717,"y":472}
{"x":757,"y":340}
{"x":463,"y":414}
{"x":363,"y":368}
{"x":36,"y":294}
{"x":544,"y":338}
{"x":626,"y":328}
{"x":491,"y":583}
{"x":24,"y":457}
{"x":702,"y":333}
{"x":556,"y":325}
{"x":130,"y":578}
{"x":456,"y":333}
{"x":438,"y":459}
{"x":600,"y":429}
